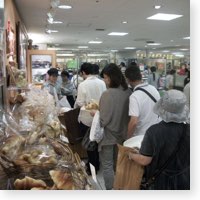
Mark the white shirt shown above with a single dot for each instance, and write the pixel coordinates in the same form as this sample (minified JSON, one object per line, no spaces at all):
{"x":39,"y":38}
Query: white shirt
{"x":141,"y":106}
{"x":90,"y":89}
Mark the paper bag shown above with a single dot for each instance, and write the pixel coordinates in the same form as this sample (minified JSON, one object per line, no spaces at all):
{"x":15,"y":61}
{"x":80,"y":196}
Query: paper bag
{"x":128,"y":173}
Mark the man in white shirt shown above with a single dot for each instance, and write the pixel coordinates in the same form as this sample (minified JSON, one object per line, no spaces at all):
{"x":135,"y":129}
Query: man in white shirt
{"x":88,"y":90}
{"x":140,"y":103}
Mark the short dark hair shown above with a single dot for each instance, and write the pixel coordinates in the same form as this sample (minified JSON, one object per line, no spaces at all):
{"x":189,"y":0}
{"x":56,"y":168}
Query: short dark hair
{"x":52,"y":72}
{"x":122,"y":64}
{"x":133,"y":73}
{"x":87,"y":68}
{"x":153,"y":69}
{"x":65,"y":73}
{"x":95,"y":68}
{"x":116,"y":77}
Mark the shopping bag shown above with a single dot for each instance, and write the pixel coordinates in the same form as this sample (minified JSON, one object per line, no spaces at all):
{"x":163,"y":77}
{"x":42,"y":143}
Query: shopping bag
{"x":128,"y":173}
{"x":96,"y":131}
{"x":71,"y":122}
{"x":87,"y":144}
{"x":63,"y":102}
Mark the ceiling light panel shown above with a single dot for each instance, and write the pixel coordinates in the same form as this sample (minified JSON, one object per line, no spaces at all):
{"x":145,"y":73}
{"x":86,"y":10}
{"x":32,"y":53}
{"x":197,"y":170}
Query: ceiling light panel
{"x":117,"y":34}
{"x":129,"y":48}
{"x":157,"y":7}
{"x":186,"y":38}
{"x":154,"y":44}
{"x":82,"y":47}
{"x":95,"y":42}
{"x":65,"y":7}
{"x":164,"y":17}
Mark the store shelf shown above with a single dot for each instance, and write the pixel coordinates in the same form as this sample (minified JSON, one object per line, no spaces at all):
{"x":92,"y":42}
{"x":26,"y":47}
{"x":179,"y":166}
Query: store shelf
{"x":18,"y":88}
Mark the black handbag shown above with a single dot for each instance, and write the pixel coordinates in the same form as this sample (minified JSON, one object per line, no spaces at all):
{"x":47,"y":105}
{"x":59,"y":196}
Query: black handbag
{"x":145,"y":184}
{"x":87,"y":143}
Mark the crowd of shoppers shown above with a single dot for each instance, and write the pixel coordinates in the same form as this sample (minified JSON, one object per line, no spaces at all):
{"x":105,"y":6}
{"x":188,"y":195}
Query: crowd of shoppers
{"x":129,"y":107}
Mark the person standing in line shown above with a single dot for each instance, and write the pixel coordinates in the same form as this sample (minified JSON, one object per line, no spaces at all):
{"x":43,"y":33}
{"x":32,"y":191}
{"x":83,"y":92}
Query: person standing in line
{"x":123,"y":68}
{"x":113,"y":108}
{"x":153,"y":77}
{"x":167,"y":142}
{"x":76,"y":80}
{"x":67,"y":87}
{"x":140,"y":103}
{"x":52,"y":86}
{"x":88,"y":90}
{"x":170,"y":79}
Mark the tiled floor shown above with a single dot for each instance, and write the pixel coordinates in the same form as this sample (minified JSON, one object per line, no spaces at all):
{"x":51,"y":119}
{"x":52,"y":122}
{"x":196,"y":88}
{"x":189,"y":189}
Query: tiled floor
{"x":99,"y":183}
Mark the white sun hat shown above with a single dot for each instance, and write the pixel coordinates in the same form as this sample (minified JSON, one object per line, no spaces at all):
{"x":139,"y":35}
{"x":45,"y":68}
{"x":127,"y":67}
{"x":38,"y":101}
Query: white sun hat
{"x":172,"y":107}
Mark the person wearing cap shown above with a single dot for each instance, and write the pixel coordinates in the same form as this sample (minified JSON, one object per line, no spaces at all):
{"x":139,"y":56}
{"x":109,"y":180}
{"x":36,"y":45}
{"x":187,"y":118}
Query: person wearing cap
{"x":167,"y":142}
{"x":51,"y":84}
{"x":140,"y":103}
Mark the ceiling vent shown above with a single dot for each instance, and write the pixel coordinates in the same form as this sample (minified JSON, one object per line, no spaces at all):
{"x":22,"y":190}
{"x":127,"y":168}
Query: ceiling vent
{"x":150,"y":42}
{"x":100,"y":29}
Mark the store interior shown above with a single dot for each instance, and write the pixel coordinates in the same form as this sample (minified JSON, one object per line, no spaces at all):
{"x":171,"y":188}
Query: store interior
{"x":37,"y":35}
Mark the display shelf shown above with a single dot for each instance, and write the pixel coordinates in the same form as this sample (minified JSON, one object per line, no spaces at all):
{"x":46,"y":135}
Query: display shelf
{"x":17,"y":88}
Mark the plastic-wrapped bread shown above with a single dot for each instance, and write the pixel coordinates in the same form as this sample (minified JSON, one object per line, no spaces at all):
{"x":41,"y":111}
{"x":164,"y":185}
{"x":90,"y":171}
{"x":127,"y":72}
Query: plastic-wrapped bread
{"x":62,"y":180}
{"x":92,"y":106}
{"x":28,"y":183}
{"x":12,"y":145}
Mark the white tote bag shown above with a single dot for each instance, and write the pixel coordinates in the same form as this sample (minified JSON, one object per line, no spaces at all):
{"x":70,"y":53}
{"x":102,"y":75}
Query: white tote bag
{"x":96,"y":131}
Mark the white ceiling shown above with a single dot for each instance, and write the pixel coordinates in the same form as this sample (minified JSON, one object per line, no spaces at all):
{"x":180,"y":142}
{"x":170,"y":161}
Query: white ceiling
{"x":81,"y":22}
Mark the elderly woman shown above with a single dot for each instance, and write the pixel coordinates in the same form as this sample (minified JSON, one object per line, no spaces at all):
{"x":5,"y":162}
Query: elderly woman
{"x":165,"y":149}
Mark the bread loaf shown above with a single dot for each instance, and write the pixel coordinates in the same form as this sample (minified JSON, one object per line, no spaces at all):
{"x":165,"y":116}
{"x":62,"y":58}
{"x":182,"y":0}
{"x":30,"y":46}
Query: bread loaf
{"x":28,"y":183}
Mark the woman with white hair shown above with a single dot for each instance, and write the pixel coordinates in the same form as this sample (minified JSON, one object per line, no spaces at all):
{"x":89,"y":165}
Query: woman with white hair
{"x":165,"y":149}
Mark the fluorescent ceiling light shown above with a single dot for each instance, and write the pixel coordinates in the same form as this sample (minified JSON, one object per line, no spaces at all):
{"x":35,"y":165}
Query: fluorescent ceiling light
{"x":186,"y":38}
{"x":82,"y":47}
{"x":124,"y":22}
{"x":57,"y":22}
{"x":184,"y":49}
{"x":117,"y":33}
{"x":129,"y":48}
{"x":51,"y":31}
{"x":64,"y":7}
{"x":157,"y":6}
{"x":163,"y":16}
{"x":95,"y":42}
{"x":65,"y":54}
{"x":50,"y":20}
{"x":95,"y":55}
{"x":154,"y":44}
{"x":179,"y":55}
{"x":166,"y":51}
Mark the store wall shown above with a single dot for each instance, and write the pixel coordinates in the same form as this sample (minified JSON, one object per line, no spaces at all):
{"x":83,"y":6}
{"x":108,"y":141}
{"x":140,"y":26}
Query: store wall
{"x":11,"y":14}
